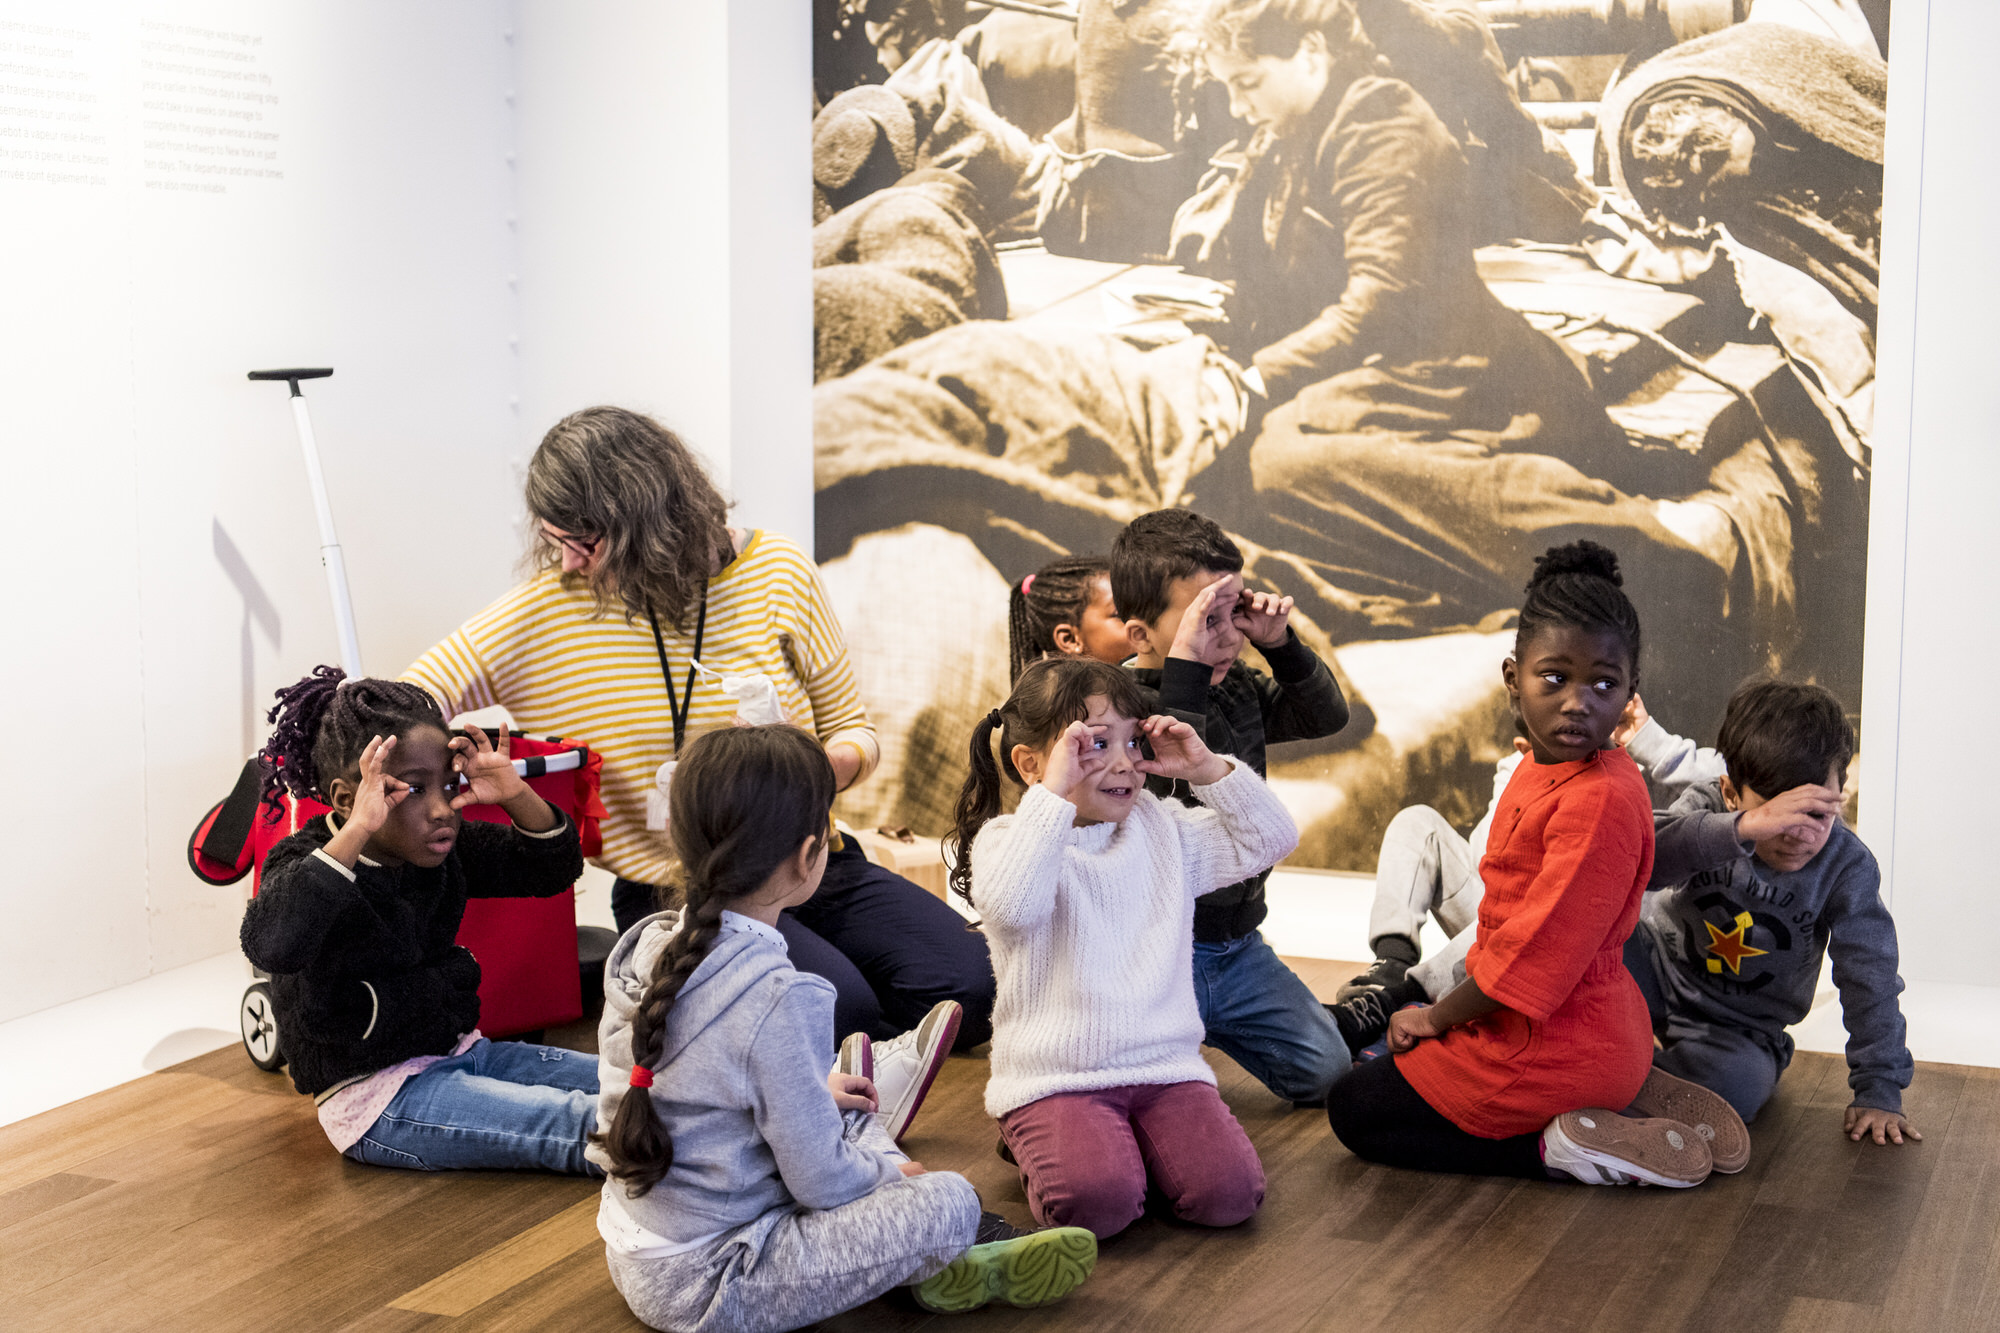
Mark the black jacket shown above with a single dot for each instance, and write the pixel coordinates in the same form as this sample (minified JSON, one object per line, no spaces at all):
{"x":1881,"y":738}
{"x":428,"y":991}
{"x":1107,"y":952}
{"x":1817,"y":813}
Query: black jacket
{"x":366,"y":973}
{"x":1299,"y":701}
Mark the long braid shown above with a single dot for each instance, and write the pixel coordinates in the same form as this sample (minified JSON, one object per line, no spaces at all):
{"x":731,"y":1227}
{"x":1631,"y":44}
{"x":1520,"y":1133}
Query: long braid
{"x":1054,"y":595}
{"x":744,"y":800}
{"x":324,"y":722}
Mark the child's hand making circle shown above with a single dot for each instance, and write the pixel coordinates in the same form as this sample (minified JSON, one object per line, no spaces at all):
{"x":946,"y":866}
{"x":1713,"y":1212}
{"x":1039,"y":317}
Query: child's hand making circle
{"x":1179,"y":752}
{"x":1073,"y":757}
{"x":1206,"y":623}
{"x":378,"y":793}
{"x":486,"y":770}
{"x":1409,"y":1026}
{"x":1264,"y":617}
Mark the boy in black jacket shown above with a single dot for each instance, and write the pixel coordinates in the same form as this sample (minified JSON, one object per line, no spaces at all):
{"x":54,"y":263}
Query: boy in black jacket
{"x":356,"y":921}
{"x":1175,"y":578}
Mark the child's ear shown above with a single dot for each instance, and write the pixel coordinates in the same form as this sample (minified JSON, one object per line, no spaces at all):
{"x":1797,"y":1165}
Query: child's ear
{"x":1732,"y":799}
{"x":341,"y":797}
{"x":1027,"y":763}
{"x":1510,"y":675}
{"x":1068,"y":640}
{"x":1138,"y":636}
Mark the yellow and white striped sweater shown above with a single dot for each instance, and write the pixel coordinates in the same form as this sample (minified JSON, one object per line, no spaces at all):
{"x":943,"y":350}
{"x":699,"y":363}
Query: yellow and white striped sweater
{"x":541,"y":653}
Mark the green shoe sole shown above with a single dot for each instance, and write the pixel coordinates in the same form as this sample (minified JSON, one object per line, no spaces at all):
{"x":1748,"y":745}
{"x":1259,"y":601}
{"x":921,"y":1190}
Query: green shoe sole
{"x":1026,"y":1271}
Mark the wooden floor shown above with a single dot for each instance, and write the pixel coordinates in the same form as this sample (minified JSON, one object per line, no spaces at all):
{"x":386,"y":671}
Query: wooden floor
{"x":205,"y":1198}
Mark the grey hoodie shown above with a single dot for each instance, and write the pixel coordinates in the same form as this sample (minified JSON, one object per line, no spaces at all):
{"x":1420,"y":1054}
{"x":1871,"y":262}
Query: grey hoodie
{"x":740,"y":1086}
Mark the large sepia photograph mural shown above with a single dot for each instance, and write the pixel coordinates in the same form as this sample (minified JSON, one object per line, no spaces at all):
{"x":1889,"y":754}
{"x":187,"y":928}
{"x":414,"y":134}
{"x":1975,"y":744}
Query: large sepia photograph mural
{"x":1399,"y":292}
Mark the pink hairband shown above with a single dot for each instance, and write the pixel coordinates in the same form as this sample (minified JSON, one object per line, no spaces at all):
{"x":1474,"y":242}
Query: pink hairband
{"x":1026,"y":584}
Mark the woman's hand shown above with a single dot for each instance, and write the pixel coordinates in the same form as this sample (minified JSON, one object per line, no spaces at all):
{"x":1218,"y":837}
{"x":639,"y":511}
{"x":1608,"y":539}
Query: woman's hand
{"x":1179,"y":752}
{"x":487,"y":769}
{"x":1073,"y":758}
{"x":851,"y":1092}
{"x":1409,"y":1026}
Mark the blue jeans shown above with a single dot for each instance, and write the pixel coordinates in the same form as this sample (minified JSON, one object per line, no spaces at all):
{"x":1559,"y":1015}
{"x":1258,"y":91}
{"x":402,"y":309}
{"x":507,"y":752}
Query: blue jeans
{"x":1261,"y":1015}
{"x":501,"y":1105}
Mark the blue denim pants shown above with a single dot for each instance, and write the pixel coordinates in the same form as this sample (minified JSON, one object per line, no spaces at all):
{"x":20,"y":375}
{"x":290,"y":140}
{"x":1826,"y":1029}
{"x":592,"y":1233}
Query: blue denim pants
{"x":501,"y":1105}
{"x":1261,"y":1015}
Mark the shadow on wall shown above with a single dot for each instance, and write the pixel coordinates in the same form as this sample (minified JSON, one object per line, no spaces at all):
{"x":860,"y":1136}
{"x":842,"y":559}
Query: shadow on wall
{"x":258,"y":611}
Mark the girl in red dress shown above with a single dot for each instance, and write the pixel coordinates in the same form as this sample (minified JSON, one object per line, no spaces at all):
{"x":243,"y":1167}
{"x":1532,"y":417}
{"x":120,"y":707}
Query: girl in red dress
{"x":1489,"y":1079}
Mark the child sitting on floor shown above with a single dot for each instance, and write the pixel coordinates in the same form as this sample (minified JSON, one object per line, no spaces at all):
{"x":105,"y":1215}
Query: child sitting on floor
{"x":357,"y":921}
{"x":1489,"y":1079}
{"x":1767,"y":882}
{"x":1088,"y":896}
{"x":1426,"y":869}
{"x":750,"y":1189}
{"x":1175,"y":578}
{"x":1064,"y":609}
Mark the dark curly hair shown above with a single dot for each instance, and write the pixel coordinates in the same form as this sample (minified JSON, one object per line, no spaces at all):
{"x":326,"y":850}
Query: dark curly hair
{"x":325,"y":721}
{"x":1579,"y":585}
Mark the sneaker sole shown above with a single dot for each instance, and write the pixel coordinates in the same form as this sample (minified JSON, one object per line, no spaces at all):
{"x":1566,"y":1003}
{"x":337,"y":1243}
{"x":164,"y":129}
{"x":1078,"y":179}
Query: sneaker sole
{"x":857,"y":1056}
{"x":939,"y":1045}
{"x":1027,"y":1271}
{"x":1666,"y":1153}
{"x":1665,"y":1097}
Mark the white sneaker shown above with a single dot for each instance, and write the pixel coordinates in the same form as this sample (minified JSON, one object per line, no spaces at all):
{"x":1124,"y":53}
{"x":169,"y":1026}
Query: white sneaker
{"x":1599,"y":1147}
{"x":857,"y":1056}
{"x":905,"y":1066}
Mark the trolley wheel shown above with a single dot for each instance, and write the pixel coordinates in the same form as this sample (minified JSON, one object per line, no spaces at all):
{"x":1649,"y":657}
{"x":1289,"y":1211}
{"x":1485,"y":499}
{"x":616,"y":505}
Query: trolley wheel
{"x":259,"y":1021}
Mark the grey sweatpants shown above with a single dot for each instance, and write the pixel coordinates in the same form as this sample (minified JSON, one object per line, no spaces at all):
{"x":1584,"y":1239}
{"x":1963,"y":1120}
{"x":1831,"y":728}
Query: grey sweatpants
{"x":1426,"y":869}
{"x":796,"y":1266}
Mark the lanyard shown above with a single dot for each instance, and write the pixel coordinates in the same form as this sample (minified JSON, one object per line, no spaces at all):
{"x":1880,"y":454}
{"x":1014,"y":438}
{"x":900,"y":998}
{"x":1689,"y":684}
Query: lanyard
{"x":679,"y":706}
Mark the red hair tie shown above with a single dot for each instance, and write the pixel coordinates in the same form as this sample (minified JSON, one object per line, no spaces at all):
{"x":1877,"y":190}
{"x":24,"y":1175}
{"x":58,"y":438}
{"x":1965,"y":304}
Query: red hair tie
{"x":1026,"y":584}
{"x":642,"y":1077}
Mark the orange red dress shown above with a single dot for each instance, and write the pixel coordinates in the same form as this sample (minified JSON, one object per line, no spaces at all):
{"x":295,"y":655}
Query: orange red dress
{"x":1565,"y":866}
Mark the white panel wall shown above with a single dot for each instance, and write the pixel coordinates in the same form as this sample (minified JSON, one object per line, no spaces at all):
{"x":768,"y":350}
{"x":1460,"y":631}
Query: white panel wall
{"x":1935,"y":623}
{"x":166,"y":575}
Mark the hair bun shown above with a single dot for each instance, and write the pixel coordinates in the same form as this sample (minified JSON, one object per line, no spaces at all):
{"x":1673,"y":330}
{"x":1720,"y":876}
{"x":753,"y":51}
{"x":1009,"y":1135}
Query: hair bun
{"x":1578,"y":557}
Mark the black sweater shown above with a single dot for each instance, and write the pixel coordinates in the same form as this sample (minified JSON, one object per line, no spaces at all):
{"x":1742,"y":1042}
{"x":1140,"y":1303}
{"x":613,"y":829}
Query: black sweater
{"x":1248,"y":710}
{"x":366,"y":973}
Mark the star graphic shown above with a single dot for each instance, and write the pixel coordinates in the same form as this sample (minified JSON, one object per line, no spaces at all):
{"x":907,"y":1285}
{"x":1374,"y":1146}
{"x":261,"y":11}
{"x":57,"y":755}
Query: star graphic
{"x":1730,"y":946}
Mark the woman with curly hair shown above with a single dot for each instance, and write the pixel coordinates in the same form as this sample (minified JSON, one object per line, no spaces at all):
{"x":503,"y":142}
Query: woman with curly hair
{"x":637,"y":578}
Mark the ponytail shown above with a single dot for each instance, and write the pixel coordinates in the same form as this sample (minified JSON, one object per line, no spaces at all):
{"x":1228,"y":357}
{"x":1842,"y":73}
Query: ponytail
{"x":744,"y":800}
{"x":1050,"y":694}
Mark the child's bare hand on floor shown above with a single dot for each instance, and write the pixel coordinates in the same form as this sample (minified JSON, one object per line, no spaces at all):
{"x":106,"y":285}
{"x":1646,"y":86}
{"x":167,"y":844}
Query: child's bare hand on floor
{"x":1883,"y":1126}
{"x":1264,"y":617}
{"x":851,"y":1092}
{"x":1179,"y":752}
{"x":1409,"y":1026}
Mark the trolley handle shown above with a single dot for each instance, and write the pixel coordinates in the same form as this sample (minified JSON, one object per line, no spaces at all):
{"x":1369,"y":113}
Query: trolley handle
{"x":292,"y":377}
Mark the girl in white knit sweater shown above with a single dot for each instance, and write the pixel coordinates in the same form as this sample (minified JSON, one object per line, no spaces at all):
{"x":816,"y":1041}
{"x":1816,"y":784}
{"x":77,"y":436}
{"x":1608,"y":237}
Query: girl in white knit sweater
{"x":1087,"y":893}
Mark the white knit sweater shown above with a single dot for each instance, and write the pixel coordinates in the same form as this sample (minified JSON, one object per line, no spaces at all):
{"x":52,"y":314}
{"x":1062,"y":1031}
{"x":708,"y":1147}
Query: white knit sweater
{"x":1092,"y":933}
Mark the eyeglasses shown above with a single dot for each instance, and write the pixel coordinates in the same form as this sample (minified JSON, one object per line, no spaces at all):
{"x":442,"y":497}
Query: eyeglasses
{"x":583,"y":546}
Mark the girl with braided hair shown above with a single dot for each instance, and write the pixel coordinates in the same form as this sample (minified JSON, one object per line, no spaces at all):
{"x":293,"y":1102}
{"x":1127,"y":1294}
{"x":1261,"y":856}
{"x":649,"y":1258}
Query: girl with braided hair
{"x":1489,"y":1079}
{"x":357,"y":919}
{"x":749,"y":1188}
{"x":1064,"y":609}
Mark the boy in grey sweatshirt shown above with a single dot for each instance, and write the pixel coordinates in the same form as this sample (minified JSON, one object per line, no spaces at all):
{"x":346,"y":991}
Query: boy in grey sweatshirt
{"x":1763,"y":882}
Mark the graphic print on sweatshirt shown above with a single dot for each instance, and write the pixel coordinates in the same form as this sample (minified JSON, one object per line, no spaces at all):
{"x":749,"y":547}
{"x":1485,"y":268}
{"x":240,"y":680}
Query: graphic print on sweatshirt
{"x":1743,"y":928}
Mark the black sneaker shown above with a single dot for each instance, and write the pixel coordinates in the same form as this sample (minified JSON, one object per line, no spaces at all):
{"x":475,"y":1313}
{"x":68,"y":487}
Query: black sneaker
{"x":1381,"y":974}
{"x":1363,"y":1019}
{"x":993,"y":1227}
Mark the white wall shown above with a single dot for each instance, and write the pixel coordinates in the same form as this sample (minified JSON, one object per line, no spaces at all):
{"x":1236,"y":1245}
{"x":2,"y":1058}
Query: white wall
{"x":165,"y":575}
{"x":1934,"y":617}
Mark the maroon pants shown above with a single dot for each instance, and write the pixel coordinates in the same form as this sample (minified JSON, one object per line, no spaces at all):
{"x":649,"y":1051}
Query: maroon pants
{"x":1087,"y":1157}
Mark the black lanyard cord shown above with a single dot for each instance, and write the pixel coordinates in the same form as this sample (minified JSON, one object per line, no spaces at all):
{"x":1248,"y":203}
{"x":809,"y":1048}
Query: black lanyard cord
{"x":678,"y":707}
